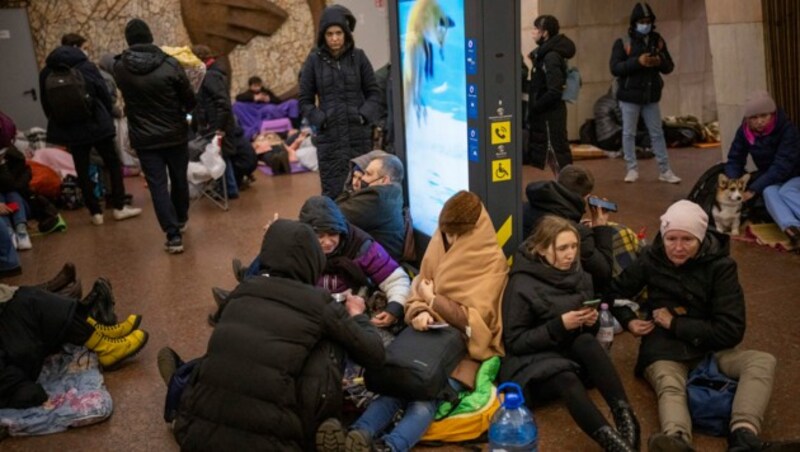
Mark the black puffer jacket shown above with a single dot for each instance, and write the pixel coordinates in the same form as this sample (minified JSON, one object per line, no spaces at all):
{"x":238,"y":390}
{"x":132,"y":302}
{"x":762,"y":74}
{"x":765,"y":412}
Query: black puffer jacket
{"x":214,"y":110}
{"x":534,"y":335}
{"x":378,"y":210}
{"x":101,"y":125}
{"x":552,"y":198}
{"x":272,"y":371}
{"x":157,"y":97}
{"x":549,"y":74}
{"x":638,"y":84}
{"x":32,"y":326}
{"x":704,"y":295}
{"x":15,"y":174}
{"x":349,"y":100}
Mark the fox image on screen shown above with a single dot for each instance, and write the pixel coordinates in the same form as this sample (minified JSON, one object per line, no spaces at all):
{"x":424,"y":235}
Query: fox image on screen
{"x":427,"y":24}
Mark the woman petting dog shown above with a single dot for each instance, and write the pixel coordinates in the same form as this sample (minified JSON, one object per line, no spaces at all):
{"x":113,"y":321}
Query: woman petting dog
{"x":767,"y":135}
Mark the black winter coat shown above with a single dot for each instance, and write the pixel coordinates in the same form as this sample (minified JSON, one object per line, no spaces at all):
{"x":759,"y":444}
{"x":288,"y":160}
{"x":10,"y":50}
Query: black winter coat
{"x":378,"y":210}
{"x":638,"y":84}
{"x":534,"y":335}
{"x":15,"y":174}
{"x":273,"y":367}
{"x":97,"y":128}
{"x":214,"y":111}
{"x":32,"y":326}
{"x":703,"y":294}
{"x":597,"y":243}
{"x":157,"y":97}
{"x":349,"y":101}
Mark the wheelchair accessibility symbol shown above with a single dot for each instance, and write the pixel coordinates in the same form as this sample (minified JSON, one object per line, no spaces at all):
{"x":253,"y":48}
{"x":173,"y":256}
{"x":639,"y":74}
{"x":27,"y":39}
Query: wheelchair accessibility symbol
{"x":501,"y":132}
{"x":501,"y":170}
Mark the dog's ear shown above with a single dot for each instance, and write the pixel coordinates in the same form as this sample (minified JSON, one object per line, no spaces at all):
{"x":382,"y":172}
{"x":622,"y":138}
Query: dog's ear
{"x":722,"y":180}
{"x":745,"y":179}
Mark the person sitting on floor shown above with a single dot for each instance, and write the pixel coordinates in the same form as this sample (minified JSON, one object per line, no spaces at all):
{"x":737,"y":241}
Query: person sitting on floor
{"x":257,"y":92}
{"x":15,"y":178}
{"x":695,"y":307}
{"x":376,"y":203}
{"x":35,"y":323}
{"x":272,"y":370}
{"x":356,"y":262}
{"x":460,"y":282}
{"x":258,"y":103}
{"x":566,"y":198}
{"x":549,"y":335}
{"x":769,"y":137}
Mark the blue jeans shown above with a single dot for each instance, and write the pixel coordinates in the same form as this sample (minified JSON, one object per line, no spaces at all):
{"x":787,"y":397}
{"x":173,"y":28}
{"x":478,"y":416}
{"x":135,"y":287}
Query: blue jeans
{"x":170,"y":196}
{"x":230,"y":179}
{"x":18,"y":217}
{"x":418,"y":416}
{"x":783,"y":202}
{"x":651,"y":113}
{"x":9,"y":259}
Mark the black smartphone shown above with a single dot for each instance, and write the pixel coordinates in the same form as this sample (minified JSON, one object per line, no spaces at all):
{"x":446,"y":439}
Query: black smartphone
{"x":602,"y":203}
{"x":591,"y":303}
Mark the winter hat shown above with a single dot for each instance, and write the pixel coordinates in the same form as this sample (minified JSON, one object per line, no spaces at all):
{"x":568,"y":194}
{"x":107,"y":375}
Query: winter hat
{"x":685,"y":216}
{"x":757,"y":103}
{"x":460,"y":213}
{"x":137,"y":32}
{"x":640,"y":11}
{"x":323,"y":215}
{"x":8,"y":131}
{"x":547,"y":23}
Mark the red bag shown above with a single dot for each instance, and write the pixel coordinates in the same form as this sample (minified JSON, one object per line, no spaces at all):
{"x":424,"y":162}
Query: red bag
{"x":45,"y":181}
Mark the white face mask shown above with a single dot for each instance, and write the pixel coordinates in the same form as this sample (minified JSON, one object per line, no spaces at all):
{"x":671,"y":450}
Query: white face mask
{"x":644,"y":28}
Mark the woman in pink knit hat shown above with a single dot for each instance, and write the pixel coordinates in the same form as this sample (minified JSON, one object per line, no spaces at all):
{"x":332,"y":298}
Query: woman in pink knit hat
{"x":773,"y":142}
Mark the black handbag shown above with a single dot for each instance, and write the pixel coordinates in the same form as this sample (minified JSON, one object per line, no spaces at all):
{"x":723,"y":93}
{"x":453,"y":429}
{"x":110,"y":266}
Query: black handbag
{"x":418,"y":364}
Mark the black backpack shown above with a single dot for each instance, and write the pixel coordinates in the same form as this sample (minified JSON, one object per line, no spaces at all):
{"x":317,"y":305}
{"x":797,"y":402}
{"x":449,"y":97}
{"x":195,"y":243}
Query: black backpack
{"x":67,"y":96}
{"x":418,"y":364}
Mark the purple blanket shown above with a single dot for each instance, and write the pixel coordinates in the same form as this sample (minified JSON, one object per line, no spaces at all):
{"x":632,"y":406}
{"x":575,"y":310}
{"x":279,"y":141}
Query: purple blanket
{"x":251,"y":114}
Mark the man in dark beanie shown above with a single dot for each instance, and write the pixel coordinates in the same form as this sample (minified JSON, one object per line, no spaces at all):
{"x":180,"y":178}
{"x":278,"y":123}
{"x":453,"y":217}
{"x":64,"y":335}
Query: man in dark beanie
{"x":157,"y":97}
{"x":547,"y":113}
{"x":637,"y":61}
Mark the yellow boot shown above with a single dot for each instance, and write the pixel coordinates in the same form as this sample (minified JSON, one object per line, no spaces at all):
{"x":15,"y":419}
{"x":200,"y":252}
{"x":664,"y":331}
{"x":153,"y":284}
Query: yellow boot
{"x":113,"y":351}
{"x":121,"y":329}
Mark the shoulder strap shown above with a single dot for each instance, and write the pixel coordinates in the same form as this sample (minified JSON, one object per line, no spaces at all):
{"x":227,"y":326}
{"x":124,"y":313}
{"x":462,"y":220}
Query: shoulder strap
{"x":626,"y":44}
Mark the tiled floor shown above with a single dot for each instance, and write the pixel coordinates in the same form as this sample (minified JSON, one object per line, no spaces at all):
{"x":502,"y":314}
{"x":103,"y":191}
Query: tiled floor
{"x":173,"y":294}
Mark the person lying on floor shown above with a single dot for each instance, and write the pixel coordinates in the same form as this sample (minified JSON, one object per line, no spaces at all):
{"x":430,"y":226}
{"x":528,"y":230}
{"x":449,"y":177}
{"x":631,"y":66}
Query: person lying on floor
{"x":35,"y":323}
{"x":273,"y":368}
{"x":278,"y":154}
{"x":355,"y":261}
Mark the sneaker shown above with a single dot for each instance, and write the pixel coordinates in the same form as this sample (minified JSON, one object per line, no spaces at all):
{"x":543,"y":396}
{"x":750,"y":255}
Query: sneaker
{"x":14,"y":238}
{"x":97,"y":219}
{"x":669,"y":177}
{"x":632,"y":176}
{"x":174,"y":245}
{"x":330,"y":436}
{"x":126,"y":212}
{"x":183,"y":226}
{"x":24,"y":241}
{"x":168,"y":363}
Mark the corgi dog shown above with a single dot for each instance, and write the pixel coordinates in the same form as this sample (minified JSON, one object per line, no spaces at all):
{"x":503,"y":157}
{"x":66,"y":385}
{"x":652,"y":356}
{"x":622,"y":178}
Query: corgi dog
{"x":727,"y":210}
{"x":427,"y":24}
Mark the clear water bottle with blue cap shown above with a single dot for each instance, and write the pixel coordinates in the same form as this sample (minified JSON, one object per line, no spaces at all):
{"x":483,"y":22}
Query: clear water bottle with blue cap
{"x":512,"y":428}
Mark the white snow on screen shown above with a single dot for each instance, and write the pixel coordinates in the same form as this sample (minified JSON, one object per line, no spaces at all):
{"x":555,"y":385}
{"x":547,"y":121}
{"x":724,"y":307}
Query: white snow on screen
{"x":440,"y":89}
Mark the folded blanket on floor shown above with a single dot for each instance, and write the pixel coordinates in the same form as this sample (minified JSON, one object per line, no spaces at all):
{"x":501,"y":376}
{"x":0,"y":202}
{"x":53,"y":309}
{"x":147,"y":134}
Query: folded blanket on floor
{"x":295,"y":166}
{"x":77,"y":396}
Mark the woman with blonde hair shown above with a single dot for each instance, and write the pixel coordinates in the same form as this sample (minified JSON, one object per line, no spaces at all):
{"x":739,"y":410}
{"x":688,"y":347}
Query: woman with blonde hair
{"x":549,"y":335}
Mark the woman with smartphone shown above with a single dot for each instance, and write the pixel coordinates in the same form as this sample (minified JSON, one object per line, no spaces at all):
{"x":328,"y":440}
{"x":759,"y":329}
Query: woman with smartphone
{"x":549,"y":335}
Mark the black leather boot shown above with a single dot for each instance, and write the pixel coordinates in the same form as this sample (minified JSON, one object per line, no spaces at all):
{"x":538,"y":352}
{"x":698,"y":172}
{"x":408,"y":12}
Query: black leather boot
{"x":72,"y":290}
{"x":611,"y":441}
{"x":101,"y":302}
{"x":64,"y":277}
{"x":238,"y":270}
{"x":626,"y":423}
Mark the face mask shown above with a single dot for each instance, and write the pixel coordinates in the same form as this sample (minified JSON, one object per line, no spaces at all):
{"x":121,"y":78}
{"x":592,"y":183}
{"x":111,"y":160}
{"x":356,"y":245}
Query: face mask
{"x":644,"y":28}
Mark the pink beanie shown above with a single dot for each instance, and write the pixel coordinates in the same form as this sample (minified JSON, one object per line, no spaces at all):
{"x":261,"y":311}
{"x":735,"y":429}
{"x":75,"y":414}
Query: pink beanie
{"x":757,"y":103}
{"x":685,"y":216}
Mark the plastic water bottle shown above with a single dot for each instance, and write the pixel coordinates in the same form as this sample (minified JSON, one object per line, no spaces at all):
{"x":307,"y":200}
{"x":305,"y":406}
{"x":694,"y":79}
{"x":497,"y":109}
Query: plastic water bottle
{"x":512,"y":428}
{"x":605,"y":335}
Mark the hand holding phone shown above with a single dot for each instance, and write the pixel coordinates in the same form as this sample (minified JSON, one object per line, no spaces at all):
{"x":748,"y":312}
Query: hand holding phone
{"x":591,"y":303}
{"x":602,"y":203}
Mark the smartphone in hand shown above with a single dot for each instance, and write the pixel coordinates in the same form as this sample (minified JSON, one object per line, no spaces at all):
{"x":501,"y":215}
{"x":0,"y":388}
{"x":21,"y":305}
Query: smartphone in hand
{"x":602,"y":203}
{"x":591,"y":303}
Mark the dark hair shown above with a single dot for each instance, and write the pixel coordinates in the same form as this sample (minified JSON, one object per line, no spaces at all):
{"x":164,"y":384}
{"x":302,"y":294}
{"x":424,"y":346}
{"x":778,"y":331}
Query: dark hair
{"x":391,"y":166}
{"x":254,"y":79}
{"x":203,"y":52}
{"x":576,"y":179}
{"x":548,"y":23}
{"x":73,"y":40}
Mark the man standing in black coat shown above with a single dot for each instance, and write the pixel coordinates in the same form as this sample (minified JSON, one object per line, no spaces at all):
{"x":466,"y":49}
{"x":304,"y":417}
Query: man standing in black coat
{"x":273,"y":369}
{"x":349,"y":98}
{"x":81,"y":127}
{"x":547,"y":111}
{"x":637,"y":61}
{"x":157,"y":98}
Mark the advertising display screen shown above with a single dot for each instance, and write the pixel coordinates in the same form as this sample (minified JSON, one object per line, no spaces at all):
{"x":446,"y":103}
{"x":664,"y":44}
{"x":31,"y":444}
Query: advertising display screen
{"x":433,"y":68}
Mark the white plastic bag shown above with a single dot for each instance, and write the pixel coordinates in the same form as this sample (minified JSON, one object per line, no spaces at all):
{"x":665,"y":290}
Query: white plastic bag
{"x":212,"y":159}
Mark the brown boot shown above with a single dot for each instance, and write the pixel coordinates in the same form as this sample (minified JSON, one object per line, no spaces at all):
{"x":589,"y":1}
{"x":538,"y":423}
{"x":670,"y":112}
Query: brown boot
{"x":64,"y":277}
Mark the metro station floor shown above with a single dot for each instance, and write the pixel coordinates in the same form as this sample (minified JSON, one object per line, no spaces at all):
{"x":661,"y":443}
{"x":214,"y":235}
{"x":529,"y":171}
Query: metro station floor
{"x":173,"y":294}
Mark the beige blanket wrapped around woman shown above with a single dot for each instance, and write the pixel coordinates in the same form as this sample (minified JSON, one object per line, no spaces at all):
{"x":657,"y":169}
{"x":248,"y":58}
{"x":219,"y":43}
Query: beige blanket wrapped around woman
{"x":473,"y":273}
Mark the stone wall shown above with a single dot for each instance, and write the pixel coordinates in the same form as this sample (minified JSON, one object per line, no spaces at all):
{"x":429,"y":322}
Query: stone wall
{"x":277,"y":58}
